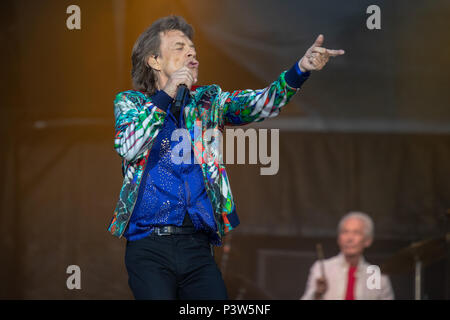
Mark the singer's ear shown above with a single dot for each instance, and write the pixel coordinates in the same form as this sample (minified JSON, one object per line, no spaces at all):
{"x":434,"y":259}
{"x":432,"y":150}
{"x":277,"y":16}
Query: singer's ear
{"x":153,"y":62}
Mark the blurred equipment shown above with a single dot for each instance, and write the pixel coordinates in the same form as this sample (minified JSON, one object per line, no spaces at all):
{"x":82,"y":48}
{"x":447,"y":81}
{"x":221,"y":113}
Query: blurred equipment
{"x":417,"y":256}
{"x":320,"y":257}
{"x":232,"y":265}
{"x":241,"y":288}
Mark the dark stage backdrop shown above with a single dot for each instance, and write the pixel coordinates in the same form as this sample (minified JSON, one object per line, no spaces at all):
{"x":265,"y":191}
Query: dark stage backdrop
{"x":370,"y":132}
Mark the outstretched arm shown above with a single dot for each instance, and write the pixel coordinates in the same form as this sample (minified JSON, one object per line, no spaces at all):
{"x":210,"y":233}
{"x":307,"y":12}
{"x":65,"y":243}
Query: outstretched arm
{"x":244,"y":106}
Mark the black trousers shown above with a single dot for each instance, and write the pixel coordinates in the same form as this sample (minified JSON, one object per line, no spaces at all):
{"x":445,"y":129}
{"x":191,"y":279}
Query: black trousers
{"x":173,"y":267}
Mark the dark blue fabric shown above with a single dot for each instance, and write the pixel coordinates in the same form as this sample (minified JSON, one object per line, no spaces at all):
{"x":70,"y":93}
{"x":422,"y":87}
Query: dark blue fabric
{"x":295,"y":77}
{"x":174,"y":267}
{"x":162,"y":100}
{"x":168,"y":191}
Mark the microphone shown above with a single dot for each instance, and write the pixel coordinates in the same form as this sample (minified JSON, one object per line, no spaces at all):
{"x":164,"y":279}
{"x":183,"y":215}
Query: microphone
{"x":180,"y":99}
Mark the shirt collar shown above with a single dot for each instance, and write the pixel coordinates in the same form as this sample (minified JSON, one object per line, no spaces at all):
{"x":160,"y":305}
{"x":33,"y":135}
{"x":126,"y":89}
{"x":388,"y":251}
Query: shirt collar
{"x":343,"y":263}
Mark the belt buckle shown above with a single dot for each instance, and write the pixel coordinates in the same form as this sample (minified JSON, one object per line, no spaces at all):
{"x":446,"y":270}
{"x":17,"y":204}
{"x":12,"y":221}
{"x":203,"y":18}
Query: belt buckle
{"x":162,"y":231}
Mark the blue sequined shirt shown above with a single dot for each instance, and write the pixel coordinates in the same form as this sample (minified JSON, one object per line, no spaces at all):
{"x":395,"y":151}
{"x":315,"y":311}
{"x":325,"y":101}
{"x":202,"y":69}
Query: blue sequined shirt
{"x":168,"y":191}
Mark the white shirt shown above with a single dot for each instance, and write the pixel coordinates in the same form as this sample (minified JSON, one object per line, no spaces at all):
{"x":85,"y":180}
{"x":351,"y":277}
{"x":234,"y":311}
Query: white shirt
{"x":336,"y":274}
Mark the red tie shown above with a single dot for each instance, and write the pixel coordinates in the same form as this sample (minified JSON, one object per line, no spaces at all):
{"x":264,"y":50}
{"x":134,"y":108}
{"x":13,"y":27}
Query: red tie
{"x":349,"y":295}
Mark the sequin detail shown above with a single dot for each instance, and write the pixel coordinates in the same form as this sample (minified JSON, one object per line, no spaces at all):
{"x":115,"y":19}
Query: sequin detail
{"x":168,"y":191}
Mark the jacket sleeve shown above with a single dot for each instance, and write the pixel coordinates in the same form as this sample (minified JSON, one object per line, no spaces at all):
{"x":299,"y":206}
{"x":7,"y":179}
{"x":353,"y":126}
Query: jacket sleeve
{"x":387,"y":293}
{"x":311,"y":282}
{"x":244,"y":106}
{"x":136,"y":126}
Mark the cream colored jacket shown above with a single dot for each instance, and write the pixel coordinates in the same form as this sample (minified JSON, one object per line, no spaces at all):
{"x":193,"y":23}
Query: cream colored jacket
{"x":336,"y":273}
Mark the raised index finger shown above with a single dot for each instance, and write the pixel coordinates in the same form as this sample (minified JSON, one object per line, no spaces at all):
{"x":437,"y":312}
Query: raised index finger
{"x":335,"y":53}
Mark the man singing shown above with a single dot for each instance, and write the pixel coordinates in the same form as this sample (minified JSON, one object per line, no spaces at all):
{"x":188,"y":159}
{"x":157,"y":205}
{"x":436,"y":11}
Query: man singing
{"x":173,"y":213}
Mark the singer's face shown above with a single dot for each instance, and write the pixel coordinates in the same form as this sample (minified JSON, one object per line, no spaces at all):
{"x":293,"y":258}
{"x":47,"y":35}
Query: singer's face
{"x":177,"y":51}
{"x":352,"y":238}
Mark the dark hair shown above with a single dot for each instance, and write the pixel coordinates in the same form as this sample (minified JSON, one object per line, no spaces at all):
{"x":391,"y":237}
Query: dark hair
{"x":148,"y":43}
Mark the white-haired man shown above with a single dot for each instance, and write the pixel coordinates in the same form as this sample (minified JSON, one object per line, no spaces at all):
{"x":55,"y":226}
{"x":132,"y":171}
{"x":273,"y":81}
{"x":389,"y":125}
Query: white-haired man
{"x":345,"y":276}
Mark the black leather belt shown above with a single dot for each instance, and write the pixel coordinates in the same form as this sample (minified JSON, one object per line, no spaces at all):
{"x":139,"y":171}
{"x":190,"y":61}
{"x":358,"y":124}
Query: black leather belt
{"x":168,"y":230}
